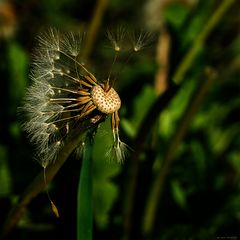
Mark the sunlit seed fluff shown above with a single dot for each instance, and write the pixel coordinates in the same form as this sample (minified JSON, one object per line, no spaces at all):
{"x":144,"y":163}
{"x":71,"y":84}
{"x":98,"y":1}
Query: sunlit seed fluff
{"x":116,"y":38}
{"x":54,"y":54}
{"x":64,"y":92}
{"x":119,"y":150}
{"x":141,"y":40}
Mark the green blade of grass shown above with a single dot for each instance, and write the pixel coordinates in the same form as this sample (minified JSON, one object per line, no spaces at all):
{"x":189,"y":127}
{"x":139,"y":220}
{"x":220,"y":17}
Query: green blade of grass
{"x":84,"y":198}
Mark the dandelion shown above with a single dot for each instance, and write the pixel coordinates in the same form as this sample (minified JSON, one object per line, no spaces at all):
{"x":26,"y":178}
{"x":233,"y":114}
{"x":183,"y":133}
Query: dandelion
{"x":141,"y":40}
{"x":117,"y":38}
{"x":64,"y":94}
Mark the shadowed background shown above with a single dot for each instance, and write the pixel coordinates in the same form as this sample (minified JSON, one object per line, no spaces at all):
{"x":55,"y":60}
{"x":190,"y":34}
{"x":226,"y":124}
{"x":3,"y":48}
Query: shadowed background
{"x":181,"y":181}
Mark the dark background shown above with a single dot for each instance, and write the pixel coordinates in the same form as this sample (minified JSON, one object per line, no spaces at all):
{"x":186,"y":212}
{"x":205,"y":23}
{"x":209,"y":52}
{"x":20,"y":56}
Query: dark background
{"x":200,"y":197}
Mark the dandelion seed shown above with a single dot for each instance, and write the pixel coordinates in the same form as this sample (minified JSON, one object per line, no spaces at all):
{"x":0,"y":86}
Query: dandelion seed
{"x":65,"y":95}
{"x":140,"y":40}
{"x":116,"y":38}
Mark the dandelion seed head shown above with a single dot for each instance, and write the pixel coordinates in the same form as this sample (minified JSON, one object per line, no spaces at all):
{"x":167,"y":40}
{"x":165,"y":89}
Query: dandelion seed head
{"x":65,"y":94}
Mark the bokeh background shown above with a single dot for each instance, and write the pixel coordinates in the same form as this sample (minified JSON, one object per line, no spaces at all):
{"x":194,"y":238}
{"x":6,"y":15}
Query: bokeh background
{"x":182,"y":178}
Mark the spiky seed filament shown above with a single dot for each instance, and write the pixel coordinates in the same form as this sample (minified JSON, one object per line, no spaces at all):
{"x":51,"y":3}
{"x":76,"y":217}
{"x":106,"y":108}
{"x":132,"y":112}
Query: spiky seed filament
{"x":116,"y":38}
{"x":141,"y":40}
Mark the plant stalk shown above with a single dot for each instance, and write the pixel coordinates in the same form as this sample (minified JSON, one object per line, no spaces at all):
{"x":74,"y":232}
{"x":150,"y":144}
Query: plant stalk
{"x":38,"y":184}
{"x":84,"y":197}
{"x":94,"y":27}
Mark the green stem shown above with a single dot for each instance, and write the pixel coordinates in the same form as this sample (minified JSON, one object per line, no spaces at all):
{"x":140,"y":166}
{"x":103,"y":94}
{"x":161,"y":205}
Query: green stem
{"x":188,"y":59}
{"x":84,"y":198}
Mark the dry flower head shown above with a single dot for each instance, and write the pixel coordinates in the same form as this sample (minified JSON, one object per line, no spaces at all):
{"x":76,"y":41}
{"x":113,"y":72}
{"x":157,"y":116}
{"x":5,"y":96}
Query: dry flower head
{"x":64,"y":93}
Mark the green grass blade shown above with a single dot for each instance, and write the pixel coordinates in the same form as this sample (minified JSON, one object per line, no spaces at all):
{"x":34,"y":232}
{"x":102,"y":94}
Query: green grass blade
{"x":84,"y":198}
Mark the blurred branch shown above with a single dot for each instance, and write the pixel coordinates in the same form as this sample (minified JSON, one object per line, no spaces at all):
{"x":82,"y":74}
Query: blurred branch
{"x":38,"y":183}
{"x":162,"y":58}
{"x":158,"y":184}
{"x":160,"y":104}
{"x":93,"y":28}
{"x":200,"y":40}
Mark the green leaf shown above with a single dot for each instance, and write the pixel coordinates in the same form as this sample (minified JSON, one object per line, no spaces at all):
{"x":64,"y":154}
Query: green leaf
{"x":105,"y":194}
{"x":5,"y":176}
{"x":141,"y":105}
{"x":105,"y":191}
{"x":128,"y":127}
{"x":175,"y":14}
{"x":169,"y":117}
{"x":179,"y":194}
{"x":84,"y":198}
{"x":234,"y":159}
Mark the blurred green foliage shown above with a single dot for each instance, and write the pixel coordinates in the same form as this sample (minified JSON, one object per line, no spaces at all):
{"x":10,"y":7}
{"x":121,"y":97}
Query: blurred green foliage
{"x":201,"y":195}
{"x":5,"y":174}
{"x":105,"y":190}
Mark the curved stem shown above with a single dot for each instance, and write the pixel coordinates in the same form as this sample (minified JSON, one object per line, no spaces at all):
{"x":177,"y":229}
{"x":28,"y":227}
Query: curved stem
{"x":163,"y":60}
{"x":188,"y":59}
{"x":94,"y":28}
{"x":39,"y":184}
